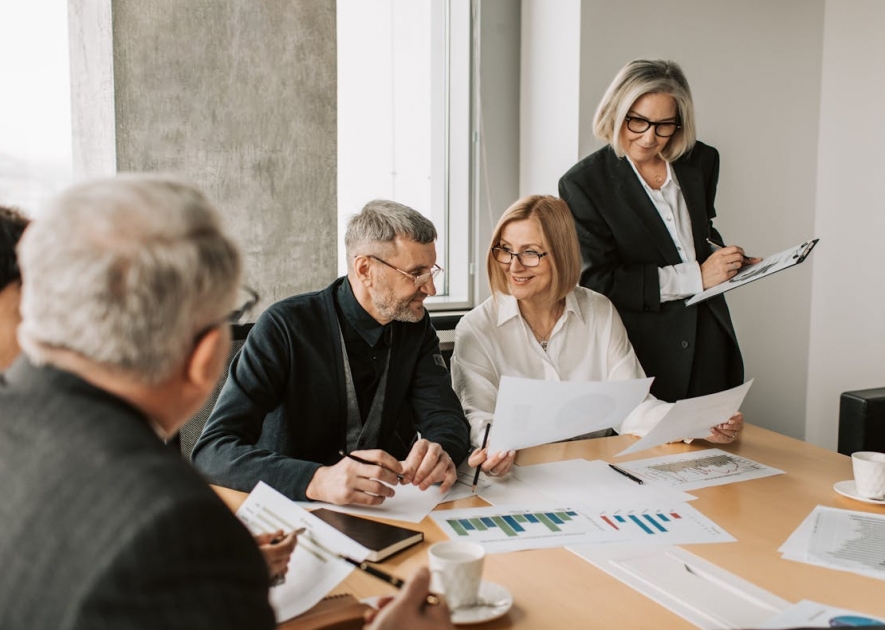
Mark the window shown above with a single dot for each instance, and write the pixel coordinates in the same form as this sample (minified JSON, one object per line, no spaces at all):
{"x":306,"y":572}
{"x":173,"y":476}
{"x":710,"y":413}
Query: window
{"x":404,"y":122}
{"x":35,"y":111}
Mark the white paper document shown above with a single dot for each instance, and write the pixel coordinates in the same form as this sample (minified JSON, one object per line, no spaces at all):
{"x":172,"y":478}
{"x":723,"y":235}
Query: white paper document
{"x":313,"y":572}
{"x":530,"y":412}
{"x":576,"y":481}
{"x":409,"y":503}
{"x":808,"y":614}
{"x":699,"y":591}
{"x":845,"y":540}
{"x":692,"y":418}
{"x":767,"y":266}
{"x":531,"y":526}
{"x":699,"y":469}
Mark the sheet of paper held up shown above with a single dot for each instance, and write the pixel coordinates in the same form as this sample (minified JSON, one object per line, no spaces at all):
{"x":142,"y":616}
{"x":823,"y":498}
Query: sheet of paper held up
{"x":530,"y":412}
{"x":313,"y":572}
{"x":692,"y":418}
{"x":697,"y":590}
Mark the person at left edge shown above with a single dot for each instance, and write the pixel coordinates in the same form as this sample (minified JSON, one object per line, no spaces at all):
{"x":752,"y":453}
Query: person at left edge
{"x":355,"y":367}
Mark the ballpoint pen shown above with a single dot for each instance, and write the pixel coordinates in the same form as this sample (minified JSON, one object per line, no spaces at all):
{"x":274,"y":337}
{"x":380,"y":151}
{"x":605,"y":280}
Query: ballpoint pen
{"x":720,"y":246}
{"x":485,"y":440}
{"x":626,"y":474}
{"x":356,"y":458}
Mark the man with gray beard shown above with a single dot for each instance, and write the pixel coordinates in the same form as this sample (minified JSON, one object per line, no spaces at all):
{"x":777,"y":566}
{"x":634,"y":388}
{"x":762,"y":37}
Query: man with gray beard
{"x":355,"y":369}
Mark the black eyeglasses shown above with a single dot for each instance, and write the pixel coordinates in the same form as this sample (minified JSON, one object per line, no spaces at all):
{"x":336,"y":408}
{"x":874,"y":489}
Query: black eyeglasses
{"x":662,"y":129}
{"x":234,"y":317}
{"x":420,"y":279}
{"x":528,"y":258}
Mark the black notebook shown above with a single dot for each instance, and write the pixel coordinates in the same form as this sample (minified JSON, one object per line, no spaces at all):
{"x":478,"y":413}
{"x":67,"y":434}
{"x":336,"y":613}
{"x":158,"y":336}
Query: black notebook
{"x":381,"y":539}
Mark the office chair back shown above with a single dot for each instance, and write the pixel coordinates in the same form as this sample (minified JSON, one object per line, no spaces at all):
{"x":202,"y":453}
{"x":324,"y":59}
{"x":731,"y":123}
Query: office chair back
{"x":191,"y":431}
{"x":445,"y":330}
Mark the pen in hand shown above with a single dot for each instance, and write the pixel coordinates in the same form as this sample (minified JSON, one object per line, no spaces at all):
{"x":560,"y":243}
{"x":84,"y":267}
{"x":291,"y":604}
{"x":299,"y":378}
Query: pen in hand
{"x":365,"y":461}
{"x":720,"y":246}
{"x":626,"y":474}
{"x":485,"y":440}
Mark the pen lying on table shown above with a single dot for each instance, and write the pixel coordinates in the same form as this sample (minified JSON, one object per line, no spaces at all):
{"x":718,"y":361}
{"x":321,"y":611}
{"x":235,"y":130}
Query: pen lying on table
{"x":626,"y":474}
{"x":431,"y":599}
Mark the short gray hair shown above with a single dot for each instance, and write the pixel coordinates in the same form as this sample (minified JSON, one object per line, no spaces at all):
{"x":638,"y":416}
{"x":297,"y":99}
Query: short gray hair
{"x":635,"y":80}
{"x":379,"y":223}
{"x":125,"y":272}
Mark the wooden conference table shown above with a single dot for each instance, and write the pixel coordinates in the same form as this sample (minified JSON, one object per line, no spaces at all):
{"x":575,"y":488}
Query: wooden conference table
{"x":553,"y":588}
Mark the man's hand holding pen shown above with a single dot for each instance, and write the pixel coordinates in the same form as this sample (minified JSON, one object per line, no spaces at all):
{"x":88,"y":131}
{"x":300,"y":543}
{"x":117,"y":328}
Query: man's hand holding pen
{"x":723,"y":264}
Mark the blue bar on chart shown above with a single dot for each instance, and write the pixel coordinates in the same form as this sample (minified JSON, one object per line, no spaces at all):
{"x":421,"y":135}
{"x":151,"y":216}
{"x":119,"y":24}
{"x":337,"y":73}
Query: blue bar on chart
{"x":648,"y":523}
{"x":512,"y":525}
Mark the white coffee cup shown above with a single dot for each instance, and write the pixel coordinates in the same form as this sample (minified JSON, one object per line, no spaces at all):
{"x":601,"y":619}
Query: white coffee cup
{"x":456,"y":571}
{"x":869,"y":474}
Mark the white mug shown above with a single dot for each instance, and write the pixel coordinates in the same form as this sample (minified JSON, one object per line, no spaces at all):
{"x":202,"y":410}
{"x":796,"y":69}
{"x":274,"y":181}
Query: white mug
{"x":456,"y":571}
{"x":869,"y":474}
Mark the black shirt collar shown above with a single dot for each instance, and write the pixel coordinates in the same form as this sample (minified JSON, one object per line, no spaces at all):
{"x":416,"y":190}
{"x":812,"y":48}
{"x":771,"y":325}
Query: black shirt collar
{"x":360,"y":320}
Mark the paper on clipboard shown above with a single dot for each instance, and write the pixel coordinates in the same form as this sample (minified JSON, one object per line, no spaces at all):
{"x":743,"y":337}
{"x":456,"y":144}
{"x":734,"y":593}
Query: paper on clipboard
{"x":768,"y":265}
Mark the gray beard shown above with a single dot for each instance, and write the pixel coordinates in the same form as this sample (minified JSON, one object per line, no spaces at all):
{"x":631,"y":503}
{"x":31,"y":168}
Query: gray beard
{"x":396,"y":311}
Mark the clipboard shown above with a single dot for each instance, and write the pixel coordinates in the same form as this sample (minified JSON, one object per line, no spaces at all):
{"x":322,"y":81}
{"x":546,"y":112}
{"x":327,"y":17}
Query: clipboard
{"x":766,"y":267}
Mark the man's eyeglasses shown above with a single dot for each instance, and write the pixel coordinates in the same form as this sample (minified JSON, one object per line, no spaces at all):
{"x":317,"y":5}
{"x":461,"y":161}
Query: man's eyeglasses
{"x":641,"y":125}
{"x":528,"y":258}
{"x":234,"y":317}
{"x":420,"y":279}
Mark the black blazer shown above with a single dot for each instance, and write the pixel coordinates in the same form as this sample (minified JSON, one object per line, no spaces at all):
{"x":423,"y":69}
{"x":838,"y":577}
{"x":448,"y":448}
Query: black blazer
{"x":624,"y":242}
{"x":102,"y":526}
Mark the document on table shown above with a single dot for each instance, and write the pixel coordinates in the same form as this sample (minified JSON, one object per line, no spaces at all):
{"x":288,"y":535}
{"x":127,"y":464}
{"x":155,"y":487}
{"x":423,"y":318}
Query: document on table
{"x":576,"y":481}
{"x":699,"y":469}
{"x":409,"y":503}
{"x":768,"y":265}
{"x":697,"y":590}
{"x":313,"y":572}
{"x":845,"y":540}
{"x":536,"y":525}
{"x":692,"y":418}
{"x":810,"y":614}
{"x":530,"y":412}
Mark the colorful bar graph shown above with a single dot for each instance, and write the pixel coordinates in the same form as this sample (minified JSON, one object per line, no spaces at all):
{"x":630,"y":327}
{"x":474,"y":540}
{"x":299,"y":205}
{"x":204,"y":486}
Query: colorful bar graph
{"x":512,"y":525}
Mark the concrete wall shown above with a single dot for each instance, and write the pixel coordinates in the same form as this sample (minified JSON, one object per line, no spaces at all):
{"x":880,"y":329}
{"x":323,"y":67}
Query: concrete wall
{"x":238,"y":96}
{"x":847,"y":326}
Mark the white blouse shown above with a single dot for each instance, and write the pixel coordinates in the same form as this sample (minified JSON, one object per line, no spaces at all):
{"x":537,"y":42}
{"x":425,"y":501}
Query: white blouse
{"x":588,"y":343}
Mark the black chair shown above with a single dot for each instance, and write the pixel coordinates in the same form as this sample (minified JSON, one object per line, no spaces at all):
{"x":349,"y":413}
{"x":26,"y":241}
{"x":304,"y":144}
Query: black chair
{"x":862,"y":421}
{"x":445,"y":323}
{"x":190,"y":432}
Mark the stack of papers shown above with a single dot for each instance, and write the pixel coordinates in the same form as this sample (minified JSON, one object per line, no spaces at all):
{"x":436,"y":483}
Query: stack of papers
{"x":844,"y":540}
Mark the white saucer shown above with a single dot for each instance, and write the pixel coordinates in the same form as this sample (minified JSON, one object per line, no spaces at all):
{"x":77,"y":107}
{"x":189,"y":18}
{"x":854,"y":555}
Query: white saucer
{"x":848,"y":489}
{"x":488,"y":592}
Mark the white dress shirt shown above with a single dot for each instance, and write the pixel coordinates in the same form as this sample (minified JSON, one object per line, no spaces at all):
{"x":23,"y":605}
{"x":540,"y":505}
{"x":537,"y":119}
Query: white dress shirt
{"x":588,"y":343}
{"x":682,"y":280}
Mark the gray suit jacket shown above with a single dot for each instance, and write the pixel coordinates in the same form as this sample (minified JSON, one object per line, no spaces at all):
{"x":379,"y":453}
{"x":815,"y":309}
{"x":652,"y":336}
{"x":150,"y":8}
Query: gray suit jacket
{"x":103,"y":526}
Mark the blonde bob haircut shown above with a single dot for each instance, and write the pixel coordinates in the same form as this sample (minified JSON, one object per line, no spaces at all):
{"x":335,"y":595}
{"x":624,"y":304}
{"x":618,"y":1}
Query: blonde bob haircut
{"x":636,"y":79}
{"x":554,"y":218}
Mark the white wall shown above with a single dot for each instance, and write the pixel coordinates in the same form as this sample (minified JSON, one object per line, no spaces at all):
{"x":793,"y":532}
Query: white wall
{"x":847,"y":329}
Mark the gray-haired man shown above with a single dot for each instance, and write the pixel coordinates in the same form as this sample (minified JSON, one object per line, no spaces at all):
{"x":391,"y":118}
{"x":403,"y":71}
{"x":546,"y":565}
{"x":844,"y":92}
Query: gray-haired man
{"x":126,"y":286}
{"x":353,"y":368}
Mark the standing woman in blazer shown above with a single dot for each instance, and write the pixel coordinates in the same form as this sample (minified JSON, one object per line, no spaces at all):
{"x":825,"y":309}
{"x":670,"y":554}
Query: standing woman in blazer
{"x":643,"y":207}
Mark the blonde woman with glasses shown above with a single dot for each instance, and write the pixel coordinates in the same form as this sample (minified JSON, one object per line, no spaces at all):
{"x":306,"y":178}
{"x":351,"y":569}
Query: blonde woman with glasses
{"x":539,"y":324}
{"x":643,"y":207}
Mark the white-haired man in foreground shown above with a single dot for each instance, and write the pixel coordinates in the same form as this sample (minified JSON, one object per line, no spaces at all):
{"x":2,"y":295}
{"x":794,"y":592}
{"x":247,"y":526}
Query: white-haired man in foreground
{"x":127,"y":287}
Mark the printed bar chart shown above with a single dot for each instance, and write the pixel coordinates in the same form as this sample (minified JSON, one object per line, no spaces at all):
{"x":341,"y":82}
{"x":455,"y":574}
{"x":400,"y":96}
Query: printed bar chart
{"x":512,"y":524}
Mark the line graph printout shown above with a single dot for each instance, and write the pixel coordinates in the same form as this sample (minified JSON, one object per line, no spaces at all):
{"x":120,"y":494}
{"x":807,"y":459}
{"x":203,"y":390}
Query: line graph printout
{"x":700,"y":469}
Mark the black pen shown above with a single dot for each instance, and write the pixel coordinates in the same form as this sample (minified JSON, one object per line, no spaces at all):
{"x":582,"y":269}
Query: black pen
{"x":485,"y":440}
{"x":626,"y":474}
{"x":431,"y":599}
{"x":365,"y":461}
